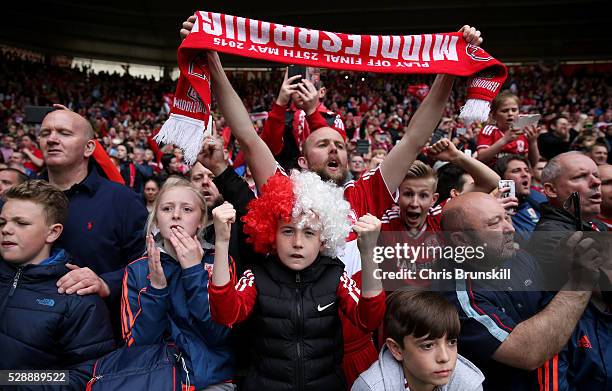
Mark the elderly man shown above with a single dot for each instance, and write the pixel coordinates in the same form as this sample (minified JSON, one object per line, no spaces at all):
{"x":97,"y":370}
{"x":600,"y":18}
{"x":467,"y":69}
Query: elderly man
{"x":588,"y":355}
{"x":565,"y":174}
{"x":104,"y":230}
{"x":505,"y":328}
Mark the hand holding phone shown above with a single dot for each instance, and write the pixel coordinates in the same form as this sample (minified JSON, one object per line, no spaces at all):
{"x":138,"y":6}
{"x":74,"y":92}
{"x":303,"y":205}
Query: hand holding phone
{"x":294,"y":70}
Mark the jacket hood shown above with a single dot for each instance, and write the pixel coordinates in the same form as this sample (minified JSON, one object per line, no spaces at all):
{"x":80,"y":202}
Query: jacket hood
{"x":465,"y":377}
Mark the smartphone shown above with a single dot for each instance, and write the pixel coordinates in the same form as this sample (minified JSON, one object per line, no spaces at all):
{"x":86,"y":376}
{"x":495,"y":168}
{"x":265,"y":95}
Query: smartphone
{"x":363,"y":147}
{"x":507,"y":183}
{"x":461,"y":131}
{"x":293,"y":70}
{"x":527,"y":120}
{"x":36,"y":114}
{"x":313,"y":74}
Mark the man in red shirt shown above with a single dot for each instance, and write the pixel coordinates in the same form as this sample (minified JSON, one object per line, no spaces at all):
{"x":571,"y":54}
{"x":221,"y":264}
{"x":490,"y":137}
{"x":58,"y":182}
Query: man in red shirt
{"x":34,"y":155}
{"x":286,"y":128}
{"x":414,"y":220}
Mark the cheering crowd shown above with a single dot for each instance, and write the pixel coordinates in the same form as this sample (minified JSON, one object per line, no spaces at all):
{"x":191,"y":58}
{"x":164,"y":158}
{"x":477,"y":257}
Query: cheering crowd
{"x":133,"y":270}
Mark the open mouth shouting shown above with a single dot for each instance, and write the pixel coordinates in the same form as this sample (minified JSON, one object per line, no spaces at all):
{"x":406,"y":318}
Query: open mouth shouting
{"x":413,"y":218}
{"x":333,"y":164}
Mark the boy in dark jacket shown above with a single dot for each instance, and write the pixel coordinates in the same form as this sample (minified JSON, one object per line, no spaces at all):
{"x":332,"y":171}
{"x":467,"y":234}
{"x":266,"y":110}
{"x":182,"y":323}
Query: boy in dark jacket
{"x":40,"y":328}
{"x":295,"y":296}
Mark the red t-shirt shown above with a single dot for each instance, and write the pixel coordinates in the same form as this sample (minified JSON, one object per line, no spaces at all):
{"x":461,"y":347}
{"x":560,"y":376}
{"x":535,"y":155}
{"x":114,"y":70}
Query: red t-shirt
{"x":393,"y":231}
{"x":489,"y":136}
{"x":28,"y":164}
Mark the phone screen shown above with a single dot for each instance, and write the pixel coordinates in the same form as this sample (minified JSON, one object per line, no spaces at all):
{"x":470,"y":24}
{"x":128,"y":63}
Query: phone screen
{"x":294,"y":70}
{"x":363,"y":147}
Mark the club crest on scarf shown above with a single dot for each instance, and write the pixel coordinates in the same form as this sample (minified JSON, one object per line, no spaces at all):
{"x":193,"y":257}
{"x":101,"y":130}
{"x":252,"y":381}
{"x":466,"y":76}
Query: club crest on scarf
{"x":477,"y":53}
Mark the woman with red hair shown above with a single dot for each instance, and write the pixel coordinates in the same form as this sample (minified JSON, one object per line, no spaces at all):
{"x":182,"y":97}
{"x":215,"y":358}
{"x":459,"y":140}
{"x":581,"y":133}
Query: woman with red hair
{"x":295,"y":295}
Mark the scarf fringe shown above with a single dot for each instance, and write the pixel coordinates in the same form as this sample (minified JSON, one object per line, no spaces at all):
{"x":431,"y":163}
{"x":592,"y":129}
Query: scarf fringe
{"x":475,"y":110}
{"x":186,"y":133}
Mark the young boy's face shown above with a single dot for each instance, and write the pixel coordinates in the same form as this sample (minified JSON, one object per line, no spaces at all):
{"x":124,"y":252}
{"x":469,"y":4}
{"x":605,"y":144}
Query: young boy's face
{"x":297,"y":248}
{"x":427,"y":362}
{"x":417,"y":195}
{"x":25,"y":234}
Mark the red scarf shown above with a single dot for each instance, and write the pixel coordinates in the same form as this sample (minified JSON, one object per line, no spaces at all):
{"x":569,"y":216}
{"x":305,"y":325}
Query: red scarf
{"x":427,"y":53}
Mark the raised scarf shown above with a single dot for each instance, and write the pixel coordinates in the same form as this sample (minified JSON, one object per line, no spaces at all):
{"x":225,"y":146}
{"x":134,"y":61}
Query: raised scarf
{"x":426,"y":53}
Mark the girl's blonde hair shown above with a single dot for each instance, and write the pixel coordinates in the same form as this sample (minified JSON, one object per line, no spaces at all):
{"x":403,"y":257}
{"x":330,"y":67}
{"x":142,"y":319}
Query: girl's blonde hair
{"x":171,"y":183}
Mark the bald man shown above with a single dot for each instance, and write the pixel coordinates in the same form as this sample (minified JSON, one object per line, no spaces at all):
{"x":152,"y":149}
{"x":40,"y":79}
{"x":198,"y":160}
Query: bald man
{"x":506,"y":331}
{"x":104,"y":230}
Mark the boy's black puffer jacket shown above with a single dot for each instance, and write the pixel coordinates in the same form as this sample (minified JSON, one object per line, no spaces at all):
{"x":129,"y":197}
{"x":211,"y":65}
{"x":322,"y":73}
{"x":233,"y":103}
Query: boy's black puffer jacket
{"x":42,"y":329}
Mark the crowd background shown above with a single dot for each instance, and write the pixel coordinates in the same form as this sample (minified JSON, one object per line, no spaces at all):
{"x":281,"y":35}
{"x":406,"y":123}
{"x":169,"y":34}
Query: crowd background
{"x":126,"y":112}
{"x":129,"y":110}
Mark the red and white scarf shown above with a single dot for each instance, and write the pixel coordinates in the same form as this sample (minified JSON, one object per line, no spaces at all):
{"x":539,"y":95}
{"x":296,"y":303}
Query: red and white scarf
{"x":426,"y":53}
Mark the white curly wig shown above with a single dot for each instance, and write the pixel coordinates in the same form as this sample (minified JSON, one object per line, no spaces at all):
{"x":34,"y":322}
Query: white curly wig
{"x":325,"y":200}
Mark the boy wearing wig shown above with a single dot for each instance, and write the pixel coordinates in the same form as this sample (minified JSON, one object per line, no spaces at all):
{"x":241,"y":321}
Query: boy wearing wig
{"x":40,"y":328}
{"x":420,"y":353}
{"x":295,"y":295}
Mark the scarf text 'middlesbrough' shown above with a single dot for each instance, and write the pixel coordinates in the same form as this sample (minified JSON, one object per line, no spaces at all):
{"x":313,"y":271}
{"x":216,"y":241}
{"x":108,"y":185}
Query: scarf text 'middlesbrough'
{"x":445,"y":53}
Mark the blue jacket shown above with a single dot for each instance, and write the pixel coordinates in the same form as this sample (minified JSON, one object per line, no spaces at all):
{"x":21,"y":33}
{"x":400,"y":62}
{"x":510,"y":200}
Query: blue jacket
{"x":178,"y":313}
{"x":586,"y":362}
{"x":527,"y":215}
{"x":42,"y":329}
{"x":488,"y":315}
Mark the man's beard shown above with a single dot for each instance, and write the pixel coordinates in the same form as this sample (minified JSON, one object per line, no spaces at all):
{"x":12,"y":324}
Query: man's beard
{"x":339,"y":178}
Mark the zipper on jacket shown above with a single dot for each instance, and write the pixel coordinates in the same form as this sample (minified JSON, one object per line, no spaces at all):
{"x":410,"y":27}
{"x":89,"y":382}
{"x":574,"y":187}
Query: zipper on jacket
{"x":15,"y":282}
{"x":300,"y":321}
{"x":91,"y":382}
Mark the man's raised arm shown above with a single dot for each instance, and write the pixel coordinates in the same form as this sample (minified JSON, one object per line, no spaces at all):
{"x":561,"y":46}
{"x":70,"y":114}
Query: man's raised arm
{"x":422,"y":124}
{"x":257,"y":154}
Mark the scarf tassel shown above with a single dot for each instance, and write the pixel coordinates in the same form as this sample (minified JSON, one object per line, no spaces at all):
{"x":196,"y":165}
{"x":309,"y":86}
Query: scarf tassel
{"x":475,"y":110}
{"x":186,"y":133}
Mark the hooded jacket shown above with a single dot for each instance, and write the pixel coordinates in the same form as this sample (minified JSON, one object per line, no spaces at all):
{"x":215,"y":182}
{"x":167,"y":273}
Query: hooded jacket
{"x":387,"y":374}
{"x":43,"y":329}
